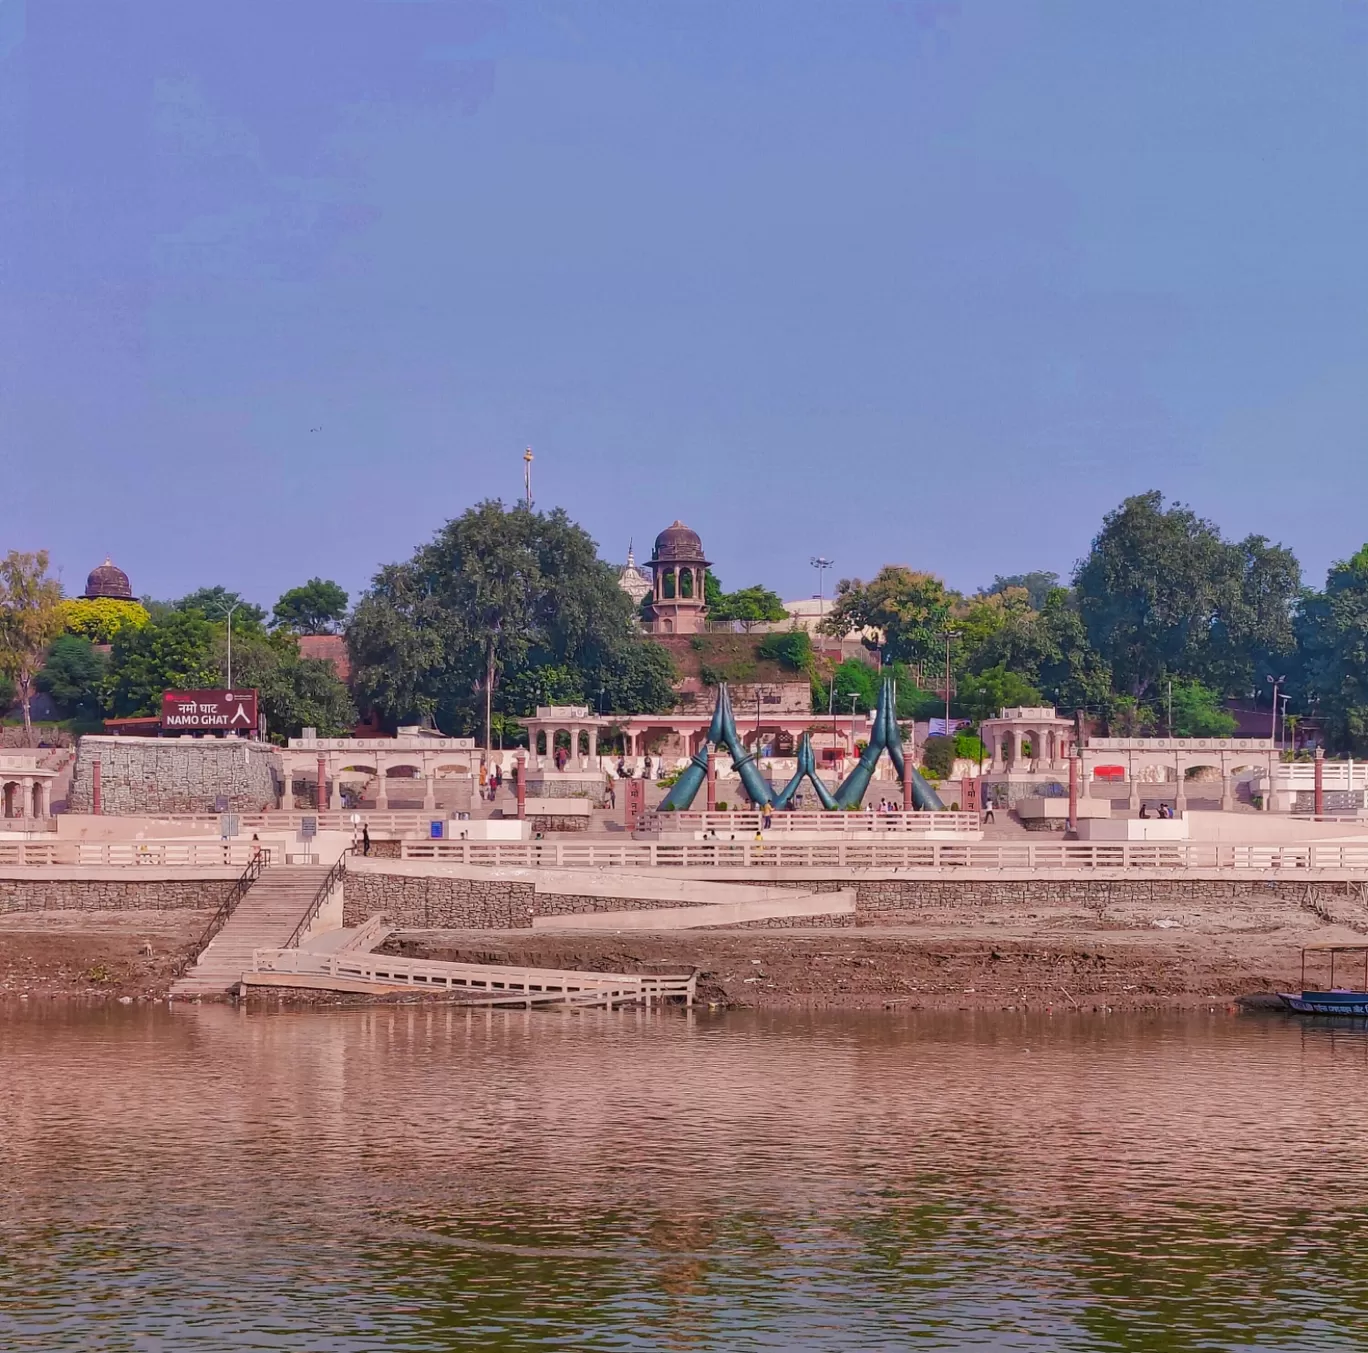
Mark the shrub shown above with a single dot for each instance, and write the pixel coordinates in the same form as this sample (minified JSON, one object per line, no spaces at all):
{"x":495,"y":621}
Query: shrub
{"x":100,"y":619}
{"x":938,"y":756}
{"x":789,"y":648}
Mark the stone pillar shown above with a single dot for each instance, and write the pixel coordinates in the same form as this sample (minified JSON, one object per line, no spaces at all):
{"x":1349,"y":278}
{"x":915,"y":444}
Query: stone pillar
{"x":907,"y":787}
{"x":381,"y":786}
{"x":287,"y":802}
{"x":1320,"y":782}
{"x":1133,"y":802}
{"x":1227,"y":793}
{"x":520,"y":773}
{"x":593,"y":746}
{"x":712,"y":782}
{"x":1073,"y":793}
{"x":429,"y":793}
{"x":335,"y":796}
{"x":25,"y":797}
{"x":1179,"y":792}
{"x":96,"y":789}
{"x":321,"y":797}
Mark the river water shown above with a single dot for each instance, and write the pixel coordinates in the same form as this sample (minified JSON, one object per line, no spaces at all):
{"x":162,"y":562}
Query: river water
{"x":432,"y":1178}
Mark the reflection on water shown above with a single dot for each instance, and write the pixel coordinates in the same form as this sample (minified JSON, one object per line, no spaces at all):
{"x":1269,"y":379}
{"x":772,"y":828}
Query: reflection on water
{"x":433,"y":1178}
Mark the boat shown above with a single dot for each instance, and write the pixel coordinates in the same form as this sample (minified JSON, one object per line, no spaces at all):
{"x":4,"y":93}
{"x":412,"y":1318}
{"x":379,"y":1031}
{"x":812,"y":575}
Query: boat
{"x":1333,"y":1000}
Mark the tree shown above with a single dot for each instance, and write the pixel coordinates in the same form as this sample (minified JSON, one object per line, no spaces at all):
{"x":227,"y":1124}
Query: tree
{"x":911,"y":609}
{"x":319,"y":607}
{"x":1332,"y":631}
{"x":1037,"y":586}
{"x":495,"y":593}
{"x":789,"y":648}
{"x":99,"y":619}
{"x":176,"y":653}
{"x":30,"y":619}
{"x":73,"y":676}
{"x":1162,"y":594}
{"x":749,"y":606}
{"x":938,"y":756}
{"x":213,"y":604}
{"x":984,"y":695}
{"x":1197,"y":712}
{"x":850,"y":678}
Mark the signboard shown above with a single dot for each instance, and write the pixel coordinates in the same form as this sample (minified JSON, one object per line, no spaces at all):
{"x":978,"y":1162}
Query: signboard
{"x":435,"y":831}
{"x":229,"y":825}
{"x":191,"y":711}
{"x":308,"y":827}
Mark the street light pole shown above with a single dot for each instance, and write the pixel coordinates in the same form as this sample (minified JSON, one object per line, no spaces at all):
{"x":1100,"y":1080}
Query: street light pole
{"x":821,"y":563}
{"x":228,"y":612}
{"x":1276,"y":683}
{"x":949,"y":635}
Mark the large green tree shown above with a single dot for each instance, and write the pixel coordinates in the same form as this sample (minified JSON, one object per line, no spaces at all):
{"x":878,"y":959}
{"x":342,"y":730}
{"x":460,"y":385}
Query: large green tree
{"x":30,"y":619}
{"x":73,"y":676}
{"x":214,"y":602}
{"x":318,"y":607}
{"x":1037,"y":586}
{"x":912,"y":609}
{"x":495,"y":594}
{"x":175,"y":652}
{"x":1161,"y":593}
{"x":749,"y":606}
{"x":294,"y":692}
{"x":1332,"y":634}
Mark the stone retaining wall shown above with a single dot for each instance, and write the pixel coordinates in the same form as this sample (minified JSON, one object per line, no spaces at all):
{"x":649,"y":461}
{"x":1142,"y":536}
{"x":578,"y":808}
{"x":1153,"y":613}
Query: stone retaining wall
{"x":174,"y":775}
{"x":111,"y":894}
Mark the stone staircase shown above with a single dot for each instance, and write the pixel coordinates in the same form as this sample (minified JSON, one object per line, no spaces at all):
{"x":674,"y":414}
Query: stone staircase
{"x":265,"y":919}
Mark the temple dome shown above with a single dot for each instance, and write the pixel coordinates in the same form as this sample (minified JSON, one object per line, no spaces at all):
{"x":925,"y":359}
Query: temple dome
{"x":679,"y":542}
{"x":108,"y":581}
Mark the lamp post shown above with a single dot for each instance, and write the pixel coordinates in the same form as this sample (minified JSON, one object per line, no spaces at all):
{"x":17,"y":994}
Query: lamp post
{"x":228,"y":614}
{"x":1276,"y":683}
{"x":854,"y":700}
{"x":821,"y":563}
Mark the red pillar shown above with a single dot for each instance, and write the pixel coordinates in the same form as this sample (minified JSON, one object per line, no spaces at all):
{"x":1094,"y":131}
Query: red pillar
{"x":322,"y":784}
{"x":520,"y":771}
{"x":96,"y":791}
{"x":1073,"y":792}
{"x":1320,"y":781}
{"x":712,"y":782}
{"x":907,"y":784}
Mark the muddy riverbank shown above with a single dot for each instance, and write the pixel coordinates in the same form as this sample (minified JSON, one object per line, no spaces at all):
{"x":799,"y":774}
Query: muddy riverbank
{"x":1062,"y":960}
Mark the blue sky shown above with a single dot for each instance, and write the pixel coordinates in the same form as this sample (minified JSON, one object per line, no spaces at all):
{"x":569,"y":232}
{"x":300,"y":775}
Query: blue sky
{"x":286,"y":283}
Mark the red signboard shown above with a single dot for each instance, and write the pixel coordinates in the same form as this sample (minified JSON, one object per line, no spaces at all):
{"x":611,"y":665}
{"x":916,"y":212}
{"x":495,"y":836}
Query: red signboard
{"x":217,"y":711}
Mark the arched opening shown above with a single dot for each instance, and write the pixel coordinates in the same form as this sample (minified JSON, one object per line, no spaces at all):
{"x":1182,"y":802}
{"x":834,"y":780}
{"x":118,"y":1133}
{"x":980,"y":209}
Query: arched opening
{"x":37,"y":801}
{"x":667,"y":585}
{"x":686,"y":584}
{"x":11,"y":795}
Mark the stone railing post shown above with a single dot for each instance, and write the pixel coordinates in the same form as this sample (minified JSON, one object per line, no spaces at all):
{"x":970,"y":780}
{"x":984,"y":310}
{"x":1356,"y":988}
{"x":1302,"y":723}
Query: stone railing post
{"x":96,"y":789}
{"x":1320,"y":782}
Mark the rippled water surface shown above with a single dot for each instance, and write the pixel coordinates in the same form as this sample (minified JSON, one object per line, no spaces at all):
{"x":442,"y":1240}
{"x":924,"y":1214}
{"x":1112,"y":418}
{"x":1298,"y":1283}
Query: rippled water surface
{"x":420,"y":1179}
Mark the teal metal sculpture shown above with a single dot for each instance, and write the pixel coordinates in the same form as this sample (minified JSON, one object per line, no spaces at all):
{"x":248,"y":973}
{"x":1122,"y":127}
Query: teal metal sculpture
{"x":884,"y":736}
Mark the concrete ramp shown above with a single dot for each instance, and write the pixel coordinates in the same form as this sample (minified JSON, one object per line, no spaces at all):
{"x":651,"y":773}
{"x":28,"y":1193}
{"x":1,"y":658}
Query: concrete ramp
{"x":776,"y":904}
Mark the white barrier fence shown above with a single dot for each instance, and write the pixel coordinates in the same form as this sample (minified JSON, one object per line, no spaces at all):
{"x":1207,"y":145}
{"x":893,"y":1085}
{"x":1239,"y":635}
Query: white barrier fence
{"x":1066,"y":858}
{"x":182,"y":854}
{"x":911,"y":823}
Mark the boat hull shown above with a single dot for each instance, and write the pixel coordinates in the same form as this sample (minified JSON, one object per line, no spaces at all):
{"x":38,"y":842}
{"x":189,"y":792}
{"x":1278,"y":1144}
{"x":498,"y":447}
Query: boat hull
{"x":1352,"y":1003}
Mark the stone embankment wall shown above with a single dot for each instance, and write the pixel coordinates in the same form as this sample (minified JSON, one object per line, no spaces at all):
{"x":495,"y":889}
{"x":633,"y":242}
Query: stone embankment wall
{"x":174,"y":775}
{"x":438,"y":902}
{"x":111,"y":894}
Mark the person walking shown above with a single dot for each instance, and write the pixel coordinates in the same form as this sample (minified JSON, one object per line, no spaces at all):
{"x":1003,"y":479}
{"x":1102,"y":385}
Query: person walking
{"x":767,"y":816}
{"x":988,"y":808}
{"x":612,"y":792}
{"x":365,"y":838}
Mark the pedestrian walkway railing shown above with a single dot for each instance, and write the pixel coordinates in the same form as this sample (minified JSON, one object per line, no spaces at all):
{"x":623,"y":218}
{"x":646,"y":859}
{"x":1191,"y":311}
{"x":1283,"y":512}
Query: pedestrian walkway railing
{"x":748,"y":822}
{"x":176,"y":854}
{"x":518,"y":985}
{"x":1065,"y":858}
{"x":331,"y":882}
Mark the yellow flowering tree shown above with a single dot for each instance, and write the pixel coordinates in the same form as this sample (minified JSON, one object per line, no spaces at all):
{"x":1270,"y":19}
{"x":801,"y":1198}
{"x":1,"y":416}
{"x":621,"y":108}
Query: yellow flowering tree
{"x":100,"y":619}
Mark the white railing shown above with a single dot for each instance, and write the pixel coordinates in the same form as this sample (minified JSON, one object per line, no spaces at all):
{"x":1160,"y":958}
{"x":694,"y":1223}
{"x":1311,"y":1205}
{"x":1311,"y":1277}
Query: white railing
{"x":330,"y":820}
{"x":931,"y":857}
{"x":914,"y":823}
{"x":1334,"y":775}
{"x":517,"y":984}
{"x":190,"y":854}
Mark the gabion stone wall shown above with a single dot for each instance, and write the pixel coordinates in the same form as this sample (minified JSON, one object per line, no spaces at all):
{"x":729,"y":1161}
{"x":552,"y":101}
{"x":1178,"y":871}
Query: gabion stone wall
{"x":140,"y":776}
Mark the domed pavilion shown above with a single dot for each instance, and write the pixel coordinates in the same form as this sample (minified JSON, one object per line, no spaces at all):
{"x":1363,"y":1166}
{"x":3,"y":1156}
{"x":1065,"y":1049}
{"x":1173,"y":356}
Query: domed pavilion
{"x":108,"y":582}
{"x":678,"y":568}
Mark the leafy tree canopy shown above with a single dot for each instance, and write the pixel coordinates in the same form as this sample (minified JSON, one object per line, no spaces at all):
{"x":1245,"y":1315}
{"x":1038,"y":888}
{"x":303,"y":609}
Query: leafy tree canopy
{"x":73,"y":676}
{"x":99,"y":619}
{"x":911,"y":609}
{"x":213,"y":604}
{"x":749,"y":606}
{"x":850,"y":678}
{"x":1332,"y":635}
{"x":496,"y":593}
{"x":1037,"y":586}
{"x":318,"y":607}
{"x":174,"y":653}
{"x":1161,"y":593}
{"x":30,"y":619}
{"x":1197,"y":712}
{"x":983,"y":695}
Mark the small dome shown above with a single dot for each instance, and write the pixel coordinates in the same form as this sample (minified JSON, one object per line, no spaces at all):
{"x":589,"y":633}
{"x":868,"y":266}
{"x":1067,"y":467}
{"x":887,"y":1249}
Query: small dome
{"x":108,"y":581}
{"x":679,"y":542}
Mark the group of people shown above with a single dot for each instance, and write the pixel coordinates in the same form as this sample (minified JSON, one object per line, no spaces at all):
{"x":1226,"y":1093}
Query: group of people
{"x":1164,"y":810}
{"x":647,"y":766}
{"x":491,"y":781}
